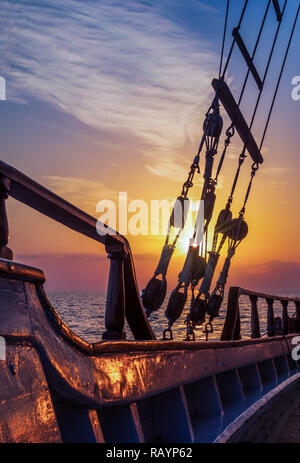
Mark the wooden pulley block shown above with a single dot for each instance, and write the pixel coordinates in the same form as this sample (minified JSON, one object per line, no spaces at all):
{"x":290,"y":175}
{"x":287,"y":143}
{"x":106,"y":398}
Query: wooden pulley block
{"x":198,"y":311}
{"x":214,"y":305}
{"x":213,"y":125}
{"x":223,"y":220}
{"x":209,"y":203}
{"x":154,"y":294}
{"x":199,"y":268}
{"x":175,"y":305}
{"x":238,"y":230}
{"x":180,"y":212}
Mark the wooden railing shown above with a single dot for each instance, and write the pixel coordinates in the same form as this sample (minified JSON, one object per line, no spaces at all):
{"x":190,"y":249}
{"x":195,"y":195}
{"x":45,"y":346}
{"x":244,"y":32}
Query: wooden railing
{"x":286,"y":325}
{"x":123,"y":299}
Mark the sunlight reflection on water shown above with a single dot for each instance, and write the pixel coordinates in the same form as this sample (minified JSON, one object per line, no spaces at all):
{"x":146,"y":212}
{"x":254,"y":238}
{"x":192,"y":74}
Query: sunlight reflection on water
{"x":84,"y":314}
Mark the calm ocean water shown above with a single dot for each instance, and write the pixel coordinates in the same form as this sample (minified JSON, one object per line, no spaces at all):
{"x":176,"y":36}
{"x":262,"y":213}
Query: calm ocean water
{"x":84,"y":314}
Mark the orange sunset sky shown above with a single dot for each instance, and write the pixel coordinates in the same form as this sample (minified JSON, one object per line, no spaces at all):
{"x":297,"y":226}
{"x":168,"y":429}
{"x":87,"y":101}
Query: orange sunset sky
{"x":112,"y":99}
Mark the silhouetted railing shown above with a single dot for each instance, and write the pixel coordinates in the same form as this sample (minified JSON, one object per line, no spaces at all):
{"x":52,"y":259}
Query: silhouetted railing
{"x":123,"y":299}
{"x":275,"y":326}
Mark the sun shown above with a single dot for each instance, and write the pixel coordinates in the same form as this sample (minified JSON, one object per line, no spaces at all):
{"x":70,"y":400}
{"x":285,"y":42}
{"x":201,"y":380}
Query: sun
{"x":185,"y":240}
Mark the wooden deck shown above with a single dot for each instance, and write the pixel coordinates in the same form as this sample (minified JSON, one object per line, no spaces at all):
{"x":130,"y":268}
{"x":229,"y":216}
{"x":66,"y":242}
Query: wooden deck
{"x":276,"y":422}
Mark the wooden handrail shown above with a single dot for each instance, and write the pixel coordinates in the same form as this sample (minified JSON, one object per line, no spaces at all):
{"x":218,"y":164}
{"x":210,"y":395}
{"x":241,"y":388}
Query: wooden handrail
{"x":248,"y":292}
{"x":34,"y":195}
{"x":231,"y":328}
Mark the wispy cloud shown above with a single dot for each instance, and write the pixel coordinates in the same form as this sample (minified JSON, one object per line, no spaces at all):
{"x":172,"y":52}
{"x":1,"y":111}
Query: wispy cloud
{"x":80,"y":191}
{"x":116,"y":66}
{"x":277,"y":170}
{"x":207,"y":7}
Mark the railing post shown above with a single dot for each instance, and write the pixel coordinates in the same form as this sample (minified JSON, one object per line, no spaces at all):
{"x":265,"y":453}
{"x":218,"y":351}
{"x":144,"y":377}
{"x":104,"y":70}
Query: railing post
{"x":270,"y":318}
{"x":5,"y":252}
{"x":231,"y":328}
{"x":255,"y":328}
{"x":297,"y":317}
{"x":285,"y":319}
{"x":237,"y":328}
{"x":115,"y":299}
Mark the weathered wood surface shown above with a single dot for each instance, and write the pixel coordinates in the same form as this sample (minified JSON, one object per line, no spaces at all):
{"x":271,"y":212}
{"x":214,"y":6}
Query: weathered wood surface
{"x":249,"y":61}
{"x":276,"y":422}
{"x":232,"y":327}
{"x":121,"y":391}
{"x":115,"y":299}
{"x":277,"y":9}
{"x":116,"y":377}
{"x":26,"y":411}
{"x":31,"y":193}
{"x":227,"y":99}
{"x":4,"y":231}
{"x":247,"y":292}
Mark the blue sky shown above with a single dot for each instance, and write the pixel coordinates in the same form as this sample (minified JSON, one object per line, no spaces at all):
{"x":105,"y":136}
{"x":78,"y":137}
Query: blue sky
{"x":138,"y":69}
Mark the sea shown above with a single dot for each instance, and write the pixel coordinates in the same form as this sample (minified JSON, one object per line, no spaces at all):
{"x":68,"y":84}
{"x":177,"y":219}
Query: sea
{"x":84,"y":313}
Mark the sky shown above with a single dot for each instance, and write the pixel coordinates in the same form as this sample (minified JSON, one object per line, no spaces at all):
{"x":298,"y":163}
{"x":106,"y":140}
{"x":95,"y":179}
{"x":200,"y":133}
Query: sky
{"x":109,"y":96}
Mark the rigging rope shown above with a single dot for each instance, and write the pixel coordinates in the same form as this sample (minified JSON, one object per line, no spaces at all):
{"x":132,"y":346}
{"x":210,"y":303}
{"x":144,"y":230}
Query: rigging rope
{"x":267,"y":67}
{"x":254,"y":51}
{"x":280,"y":76}
{"x":216,"y":297}
{"x":224,"y":38}
{"x":196,"y":266}
{"x":234,"y":40}
{"x":237,"y":228}
{"x":154,"y":293}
